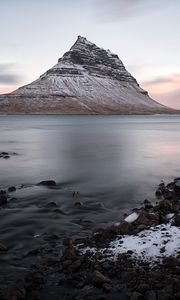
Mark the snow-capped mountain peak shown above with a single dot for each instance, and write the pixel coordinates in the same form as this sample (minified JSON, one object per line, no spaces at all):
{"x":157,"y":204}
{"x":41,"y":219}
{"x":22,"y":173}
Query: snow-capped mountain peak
{"x":86,"y":80}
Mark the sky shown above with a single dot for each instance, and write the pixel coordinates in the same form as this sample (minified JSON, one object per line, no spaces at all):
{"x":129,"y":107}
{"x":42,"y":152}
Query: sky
{"x":144,"y":34}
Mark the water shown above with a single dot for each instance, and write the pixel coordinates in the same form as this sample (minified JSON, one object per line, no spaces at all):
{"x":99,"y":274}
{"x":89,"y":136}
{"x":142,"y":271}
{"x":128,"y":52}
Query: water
{"x":115,"y":162}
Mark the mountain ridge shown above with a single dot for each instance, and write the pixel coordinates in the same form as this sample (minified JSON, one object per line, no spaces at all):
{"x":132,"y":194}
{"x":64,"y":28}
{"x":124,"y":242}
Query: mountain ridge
{"x":86,"y":80}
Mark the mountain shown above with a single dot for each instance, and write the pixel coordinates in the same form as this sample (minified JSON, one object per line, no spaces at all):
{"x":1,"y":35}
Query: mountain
{"x":86,"y":80}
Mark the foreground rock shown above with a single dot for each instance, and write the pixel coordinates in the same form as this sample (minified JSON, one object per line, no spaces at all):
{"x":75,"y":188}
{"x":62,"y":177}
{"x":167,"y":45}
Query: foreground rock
{"x":89,"y":269}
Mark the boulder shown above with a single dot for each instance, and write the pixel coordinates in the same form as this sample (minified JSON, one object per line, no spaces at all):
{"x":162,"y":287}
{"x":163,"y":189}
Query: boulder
{"x":164,"y":206}
{"x":147,"y":219}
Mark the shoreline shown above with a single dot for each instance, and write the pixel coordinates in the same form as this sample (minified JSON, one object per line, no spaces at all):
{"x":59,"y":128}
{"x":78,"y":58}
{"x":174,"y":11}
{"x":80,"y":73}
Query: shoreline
{"x":79,"y":273}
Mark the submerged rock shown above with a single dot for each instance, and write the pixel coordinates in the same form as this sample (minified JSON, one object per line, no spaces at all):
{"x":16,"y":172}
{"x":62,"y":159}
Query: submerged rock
{"x":3,"y":248}
{"x":3,"y":197}
{"x":47,"y":183}
{"x":11,"y":189}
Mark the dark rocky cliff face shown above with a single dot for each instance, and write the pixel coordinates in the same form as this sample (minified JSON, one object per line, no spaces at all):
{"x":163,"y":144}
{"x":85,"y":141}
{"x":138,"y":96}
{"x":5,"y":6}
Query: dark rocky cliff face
{"x":96,"y":61}
{"x":86,"y":80}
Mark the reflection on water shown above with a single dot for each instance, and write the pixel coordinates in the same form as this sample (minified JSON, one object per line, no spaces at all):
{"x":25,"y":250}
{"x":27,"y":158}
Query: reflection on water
{"x":115,"y":162}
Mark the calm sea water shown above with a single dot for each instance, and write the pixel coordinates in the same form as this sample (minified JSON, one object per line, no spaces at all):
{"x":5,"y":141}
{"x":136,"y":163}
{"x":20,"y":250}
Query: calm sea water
{"x":115,"y":162}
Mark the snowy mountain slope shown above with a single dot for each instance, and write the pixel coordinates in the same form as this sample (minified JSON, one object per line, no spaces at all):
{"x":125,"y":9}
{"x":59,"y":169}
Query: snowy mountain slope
{"x":86,"y":80}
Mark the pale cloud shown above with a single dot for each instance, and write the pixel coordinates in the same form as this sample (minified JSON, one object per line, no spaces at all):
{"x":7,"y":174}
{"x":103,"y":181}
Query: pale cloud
{"x":8,"y":74}
{"x":113,"y":10}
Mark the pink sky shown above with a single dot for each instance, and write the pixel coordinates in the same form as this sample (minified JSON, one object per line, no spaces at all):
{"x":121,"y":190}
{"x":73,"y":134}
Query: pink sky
{"x":166,"y":90}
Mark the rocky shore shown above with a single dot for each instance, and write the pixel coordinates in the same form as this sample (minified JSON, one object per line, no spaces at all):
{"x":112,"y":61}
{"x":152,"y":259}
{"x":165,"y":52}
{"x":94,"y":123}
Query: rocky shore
{"x":136,"y":258}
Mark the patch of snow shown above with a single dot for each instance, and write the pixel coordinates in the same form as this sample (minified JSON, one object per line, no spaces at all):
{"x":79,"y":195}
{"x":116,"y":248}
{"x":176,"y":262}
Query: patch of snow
{"x":149,"y":245}
{"x":131,"y":218}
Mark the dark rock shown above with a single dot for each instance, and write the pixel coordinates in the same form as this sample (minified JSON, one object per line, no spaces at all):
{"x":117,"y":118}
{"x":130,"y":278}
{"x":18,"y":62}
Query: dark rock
{"x":99,"y":278}
{"x":125,"y":228}
{"x":35,"y":278}
{"x":142,"y":288}
{"x":164,"y":206}
{"x":70,"y":252}
{"x":177,"y":185}
{"x":47,"y":183}
{"x":3,"y":248}
{"x":11,"y":189}
{"x":136,"y":296}
{"x":3,"y":199}
{"x":176,"y":220}
{"x":147,"y":219}
{"x":150,"y":295}
{"x":18,"y":292}
{"x":75,"y":266}
{"x":6,"y":156}
{"x":107,"y":287}
{"x":147,"y":204}
{"x":128,"y":276}
{"x":170,"y":262}
{"x":67,"y":242}
{"x":163,"y":295}
{"x":78,"y":203}
{"x":4,"y":153}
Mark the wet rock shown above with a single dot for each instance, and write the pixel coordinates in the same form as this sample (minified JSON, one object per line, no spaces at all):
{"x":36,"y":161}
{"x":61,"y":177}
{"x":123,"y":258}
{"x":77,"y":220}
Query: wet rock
{"x":11,"y":189}
{"x":147,"y":205}
{"x":136,"y":296}
{"x":128,"y":275}
{"x":70,"y":253}
{"x":107,"y":287}
{"x":150,"y":295}
{"x":4,"y":153}
{"x":161,"y":189}
{"x":142,"y":288}
{"x":141,"y":227}
{"x":67,"y":242}
{"x":99,"y":278}
{"x":125,"y":228}
{"x":171,"y":262}
{"x":75,"y":266}
{"x":177,"y":185}
{"x":78,"y":203}
{"x":47,"y":183}
{"x":3,"y":248}
{"x":164,"y":206}
{"x":163,"y":295}
{"x":18,"y":292}
{"x":3,"y":198}
{"x":176,"y":220}
{"x":147,"y":219}
{"x":35,"y":278}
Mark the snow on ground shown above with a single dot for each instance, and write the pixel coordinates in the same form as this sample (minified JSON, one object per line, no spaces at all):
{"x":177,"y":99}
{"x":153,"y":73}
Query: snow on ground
{"x":150,"y":245}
